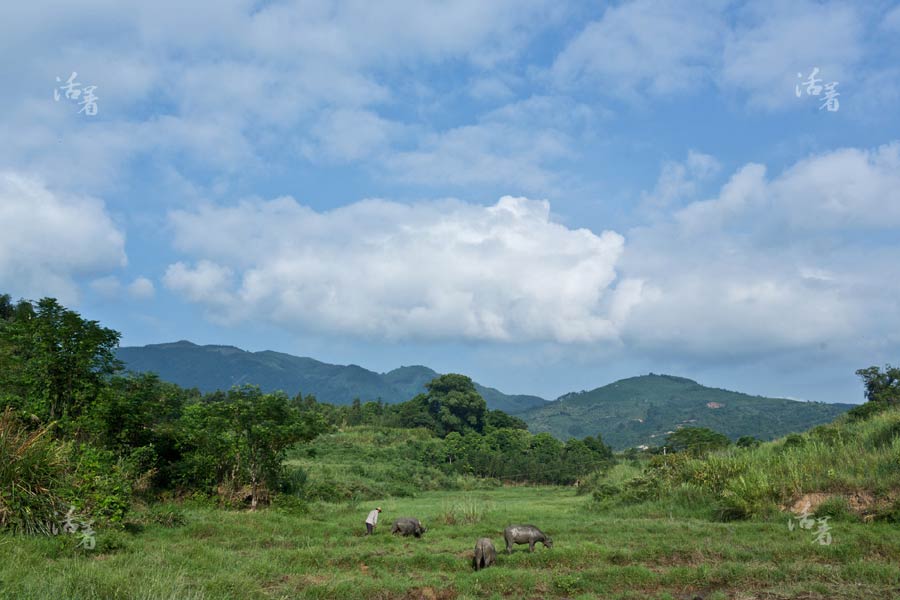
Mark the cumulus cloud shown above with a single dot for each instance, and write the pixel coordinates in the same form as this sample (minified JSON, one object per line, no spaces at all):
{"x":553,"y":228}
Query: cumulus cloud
{"x":803,"y":259}
{"x":50,"y":239}
{"x":432,"y":270}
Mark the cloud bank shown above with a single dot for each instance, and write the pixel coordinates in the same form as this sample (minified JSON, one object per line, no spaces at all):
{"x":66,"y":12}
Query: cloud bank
{"x":433,"y":270}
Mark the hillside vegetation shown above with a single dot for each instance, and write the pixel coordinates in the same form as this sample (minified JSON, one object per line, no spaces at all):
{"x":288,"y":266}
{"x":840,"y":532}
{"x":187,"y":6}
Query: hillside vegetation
{"x":211,"y":368}
{"x":849,"y":469}
{"x":643,"y":410}
{"x":630,"y":412}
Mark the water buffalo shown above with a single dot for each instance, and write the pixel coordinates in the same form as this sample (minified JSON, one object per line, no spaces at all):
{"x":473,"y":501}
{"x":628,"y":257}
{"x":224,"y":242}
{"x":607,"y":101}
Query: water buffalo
{"x":408,"y":526}
{"x":525,"y":534}
{"x":485,"y":555}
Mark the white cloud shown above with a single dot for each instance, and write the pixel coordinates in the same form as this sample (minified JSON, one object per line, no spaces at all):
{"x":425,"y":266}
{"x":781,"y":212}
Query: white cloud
{"x":781,"y":39}
{"x":680,"y":180}
{"x":230,"y":82}
{"x":489,"y":88}
{"x":435,"y":270}
{"x":349,"y":135}
{"x":50,"y":239}
{"x":804,"y":260}
{"x":141,"y":289}
{"x":517,"y":145}
{"x":645,"y":46}
{"x":206,"y":282}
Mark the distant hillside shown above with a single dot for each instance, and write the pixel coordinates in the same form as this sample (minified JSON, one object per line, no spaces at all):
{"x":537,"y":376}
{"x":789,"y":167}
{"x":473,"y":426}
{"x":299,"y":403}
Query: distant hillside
{"x":211,"y":368}
{"x":641,"y":410}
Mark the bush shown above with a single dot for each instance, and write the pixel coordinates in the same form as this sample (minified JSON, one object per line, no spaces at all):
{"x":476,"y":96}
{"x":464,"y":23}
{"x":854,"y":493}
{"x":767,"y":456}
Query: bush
{"x":32,"y":475}
{"x":793,"y":440}
{"x":100,"y":484}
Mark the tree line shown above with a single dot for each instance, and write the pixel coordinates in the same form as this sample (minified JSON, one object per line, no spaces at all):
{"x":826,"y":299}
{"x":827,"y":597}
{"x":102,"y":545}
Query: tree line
{"x":76,"y":430}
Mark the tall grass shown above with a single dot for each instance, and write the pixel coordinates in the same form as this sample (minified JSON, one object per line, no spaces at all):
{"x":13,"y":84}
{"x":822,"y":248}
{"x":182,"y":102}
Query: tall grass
{"x":469,"y":510}
{"x":32,"y":471}
{"x":840,"y":458}
{"x":365,"y":463}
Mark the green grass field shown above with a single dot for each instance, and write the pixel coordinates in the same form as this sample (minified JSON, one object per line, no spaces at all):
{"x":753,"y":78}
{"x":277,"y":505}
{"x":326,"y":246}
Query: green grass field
{"x":641,"y":551}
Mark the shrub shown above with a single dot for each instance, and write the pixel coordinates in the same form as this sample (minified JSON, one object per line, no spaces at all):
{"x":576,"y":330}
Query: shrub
{"x":865,"y":411}
{"x":886,"y":435}
{"x":793,"y":440}
{"x":100,"y":484}
{"x":748,"y":495}
{"x":166,"y":515}
{"x":293,"y":480}
{"x":837,"y":508}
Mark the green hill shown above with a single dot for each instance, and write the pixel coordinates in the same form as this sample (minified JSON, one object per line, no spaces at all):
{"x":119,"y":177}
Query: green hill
{"x":211,"y":368}
{"x":642,"y":410}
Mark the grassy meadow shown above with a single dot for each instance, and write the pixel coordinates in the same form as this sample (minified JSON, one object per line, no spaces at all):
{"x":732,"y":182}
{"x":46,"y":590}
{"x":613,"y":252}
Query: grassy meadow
{"x":652,"y":550}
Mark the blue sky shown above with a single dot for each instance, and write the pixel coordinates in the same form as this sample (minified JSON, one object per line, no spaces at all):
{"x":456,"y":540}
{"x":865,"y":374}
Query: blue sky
{"x":546,"y":197}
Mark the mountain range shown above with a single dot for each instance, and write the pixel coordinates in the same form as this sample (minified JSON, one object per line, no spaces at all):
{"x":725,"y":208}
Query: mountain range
{"x":211,"y":368}
{"x":630,"y":412}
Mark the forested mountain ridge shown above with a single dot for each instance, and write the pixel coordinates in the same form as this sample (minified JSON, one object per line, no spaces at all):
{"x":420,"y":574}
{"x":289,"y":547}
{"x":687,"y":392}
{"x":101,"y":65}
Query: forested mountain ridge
{"x":630,"y":412}
{"x":212,"y":367}
{"x":642,"y":410}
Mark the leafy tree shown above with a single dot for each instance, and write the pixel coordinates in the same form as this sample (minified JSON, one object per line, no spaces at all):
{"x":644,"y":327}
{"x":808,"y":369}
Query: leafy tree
{"x":245,"y":435}
{"x":882,"y":385}
{"x":598,"y":447}
{"x":455,"y":404}
{"x":544,"y":455}
{"x":414,"y":413}
{"x":454,"y":446}
{"x":19,"y":311}
{"x":54,"y":360}
{"x":882,"y":390}
{"x":696,"y":440}
{"x":354,"y":414}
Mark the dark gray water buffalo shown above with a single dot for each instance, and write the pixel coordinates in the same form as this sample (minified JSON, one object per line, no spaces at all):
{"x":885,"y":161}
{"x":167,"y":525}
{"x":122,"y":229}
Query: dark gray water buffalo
{"x":485,"y":555}
{"x":408,"y":526}
{"x":525,"y":534}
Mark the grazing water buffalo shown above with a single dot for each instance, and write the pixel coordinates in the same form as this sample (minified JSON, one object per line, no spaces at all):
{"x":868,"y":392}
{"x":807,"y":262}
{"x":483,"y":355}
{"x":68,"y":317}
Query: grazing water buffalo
{"x":525,"y":534}
{"x":485,"y":555}
{"x":408,"y":526}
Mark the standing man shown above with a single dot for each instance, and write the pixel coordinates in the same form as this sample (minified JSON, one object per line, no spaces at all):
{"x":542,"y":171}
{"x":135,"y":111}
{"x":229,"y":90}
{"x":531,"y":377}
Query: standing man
{"x":372,"y":521}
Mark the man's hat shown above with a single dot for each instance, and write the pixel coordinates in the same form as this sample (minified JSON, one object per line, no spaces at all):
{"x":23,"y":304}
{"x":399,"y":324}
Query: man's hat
{"x":378,"y":509}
